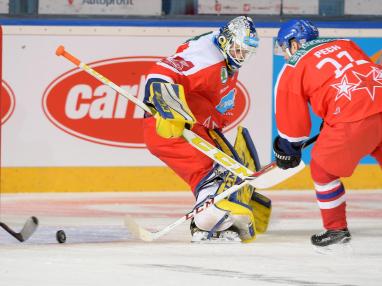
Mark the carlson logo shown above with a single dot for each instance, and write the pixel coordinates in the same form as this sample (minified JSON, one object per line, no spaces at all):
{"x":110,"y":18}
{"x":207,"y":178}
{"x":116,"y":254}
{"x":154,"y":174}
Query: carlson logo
{"x":7,"y":102}
{"x":82,"y":106}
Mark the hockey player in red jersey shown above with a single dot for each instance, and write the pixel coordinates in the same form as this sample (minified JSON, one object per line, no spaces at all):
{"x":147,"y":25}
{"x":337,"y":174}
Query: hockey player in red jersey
{"x":343,"y":87}
{"x":195,"y":88}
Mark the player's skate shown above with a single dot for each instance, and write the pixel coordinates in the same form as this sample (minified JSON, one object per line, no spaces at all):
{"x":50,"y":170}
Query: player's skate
{"x":230,"y":235}
{"x":332,"y":241}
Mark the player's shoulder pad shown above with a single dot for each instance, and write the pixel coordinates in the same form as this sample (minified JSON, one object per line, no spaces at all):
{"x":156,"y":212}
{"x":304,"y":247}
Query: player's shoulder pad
{"x":197,"y":55}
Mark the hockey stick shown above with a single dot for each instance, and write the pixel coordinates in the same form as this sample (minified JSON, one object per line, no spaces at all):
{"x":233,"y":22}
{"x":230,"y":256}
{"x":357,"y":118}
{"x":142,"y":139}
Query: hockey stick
{"x":260,"y":178}
{"x":275,"y":174}
{"x":26,"y":232}
{"x":146,"y":235}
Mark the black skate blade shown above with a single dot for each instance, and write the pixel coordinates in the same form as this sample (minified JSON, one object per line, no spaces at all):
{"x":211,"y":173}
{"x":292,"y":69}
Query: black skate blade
{"x":343,"y":247}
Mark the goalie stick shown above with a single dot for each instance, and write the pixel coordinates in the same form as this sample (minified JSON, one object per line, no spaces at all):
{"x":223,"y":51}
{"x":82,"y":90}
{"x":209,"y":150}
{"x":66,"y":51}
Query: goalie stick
{"x":26,"y":232}
{"x":275,"y":174}
{"x":263,"y":175}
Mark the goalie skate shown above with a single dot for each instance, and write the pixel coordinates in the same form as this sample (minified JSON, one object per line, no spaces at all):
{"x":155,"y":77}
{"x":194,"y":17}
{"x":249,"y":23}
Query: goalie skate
{"x":203,"y":236}
{"x":225,"y":236}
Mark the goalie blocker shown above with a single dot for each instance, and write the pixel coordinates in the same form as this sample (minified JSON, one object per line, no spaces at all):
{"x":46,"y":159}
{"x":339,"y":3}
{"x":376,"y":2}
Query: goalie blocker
{"x":172,"y":112}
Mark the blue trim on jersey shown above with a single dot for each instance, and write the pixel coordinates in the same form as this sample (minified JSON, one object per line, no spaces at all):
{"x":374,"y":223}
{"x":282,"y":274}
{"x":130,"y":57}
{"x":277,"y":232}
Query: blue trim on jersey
{"x":171,"y":23}
{"x":340,"y":190}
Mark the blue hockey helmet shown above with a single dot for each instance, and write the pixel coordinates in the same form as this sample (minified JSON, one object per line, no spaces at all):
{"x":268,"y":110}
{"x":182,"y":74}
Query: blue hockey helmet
{"x":237,"y":40}
{"x":301,"y":30}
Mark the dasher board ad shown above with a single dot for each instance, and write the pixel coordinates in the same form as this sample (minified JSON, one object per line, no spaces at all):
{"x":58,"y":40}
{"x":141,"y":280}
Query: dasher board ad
{"x":100,"y":7}
{"x":56,"y":114}
{"x":270,"y":7}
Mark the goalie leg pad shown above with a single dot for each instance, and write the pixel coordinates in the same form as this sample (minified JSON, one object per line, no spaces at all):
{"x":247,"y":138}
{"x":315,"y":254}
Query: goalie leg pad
{"x":262,"y":209}
{"x":246,"y":149}
{"x":245,"y":152}
{"x":233,"y":212}
{"x":249,"y":211}
{"x":261,"y":205}
{"x":237,"y":204}
{"x":211,"y":219}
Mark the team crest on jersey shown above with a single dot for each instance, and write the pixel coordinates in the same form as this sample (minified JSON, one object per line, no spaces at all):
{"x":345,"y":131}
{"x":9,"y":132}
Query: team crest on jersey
{"x":178,"y":63}
{"x":369,"y":82}
{"x":227,"y":102}
{"x":224,"y":75}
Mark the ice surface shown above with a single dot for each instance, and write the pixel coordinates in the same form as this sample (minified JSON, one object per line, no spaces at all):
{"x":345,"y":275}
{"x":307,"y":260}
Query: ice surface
{"x":100,"y":251}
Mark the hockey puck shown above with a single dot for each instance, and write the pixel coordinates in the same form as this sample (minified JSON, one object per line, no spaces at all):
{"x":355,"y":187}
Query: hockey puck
{"x":61,"y":236}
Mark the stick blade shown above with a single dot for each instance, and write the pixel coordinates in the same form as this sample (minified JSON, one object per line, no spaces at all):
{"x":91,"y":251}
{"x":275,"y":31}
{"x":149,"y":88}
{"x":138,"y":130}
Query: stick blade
{"x":138,"y":231}
{"x":274,"y":176}
{"x":29,"y":228}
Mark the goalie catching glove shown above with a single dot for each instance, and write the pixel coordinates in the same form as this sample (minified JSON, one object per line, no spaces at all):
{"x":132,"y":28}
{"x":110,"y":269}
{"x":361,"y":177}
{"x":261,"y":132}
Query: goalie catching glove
{"x":172,"y":112}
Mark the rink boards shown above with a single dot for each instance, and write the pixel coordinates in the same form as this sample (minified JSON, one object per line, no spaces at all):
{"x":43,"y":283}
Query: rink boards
{"x":64,"y":131}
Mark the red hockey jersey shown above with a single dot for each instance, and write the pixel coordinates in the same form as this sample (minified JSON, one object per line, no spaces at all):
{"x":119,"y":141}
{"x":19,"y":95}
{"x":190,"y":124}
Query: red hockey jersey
{"x":338,"y":80}
{"x":200,"y":67}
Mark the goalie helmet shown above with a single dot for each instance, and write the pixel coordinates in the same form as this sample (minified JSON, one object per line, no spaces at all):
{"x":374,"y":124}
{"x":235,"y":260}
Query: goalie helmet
{"x":300,"y":30}
{"x":237,"y":40}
